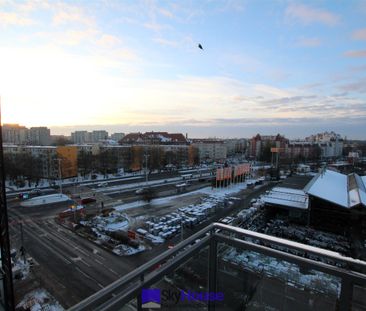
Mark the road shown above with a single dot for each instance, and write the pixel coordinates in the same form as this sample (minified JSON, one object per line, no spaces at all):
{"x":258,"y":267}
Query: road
{"x":71,"y":267}
{"x":110,"y":181}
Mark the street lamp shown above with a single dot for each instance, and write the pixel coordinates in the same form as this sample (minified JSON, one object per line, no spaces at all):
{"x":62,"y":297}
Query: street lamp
{"x":146,"y":157}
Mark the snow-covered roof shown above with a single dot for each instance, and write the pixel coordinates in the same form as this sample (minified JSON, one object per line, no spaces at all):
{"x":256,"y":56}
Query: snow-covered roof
{"x":344,"y":190}
{"x":288,"y":190}
{"x":288,"y":197}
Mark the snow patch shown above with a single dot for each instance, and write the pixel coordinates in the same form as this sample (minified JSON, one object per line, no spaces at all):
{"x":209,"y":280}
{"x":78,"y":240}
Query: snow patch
{"x":38,"y":300}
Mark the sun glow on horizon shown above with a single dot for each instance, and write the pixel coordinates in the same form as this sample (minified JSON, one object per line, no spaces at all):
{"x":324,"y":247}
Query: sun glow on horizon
{"x":62,"y":65}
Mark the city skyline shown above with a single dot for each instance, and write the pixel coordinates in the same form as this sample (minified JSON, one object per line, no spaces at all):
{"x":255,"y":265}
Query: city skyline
{"x":294,"y":68}
{"x":114,"y":129}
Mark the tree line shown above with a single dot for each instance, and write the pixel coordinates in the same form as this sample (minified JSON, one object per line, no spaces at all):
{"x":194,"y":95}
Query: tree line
{"x":21,"y":167}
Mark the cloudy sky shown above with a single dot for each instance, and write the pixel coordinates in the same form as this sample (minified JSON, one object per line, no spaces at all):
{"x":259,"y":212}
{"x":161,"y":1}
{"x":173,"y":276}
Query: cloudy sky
{"x":287,"y":67}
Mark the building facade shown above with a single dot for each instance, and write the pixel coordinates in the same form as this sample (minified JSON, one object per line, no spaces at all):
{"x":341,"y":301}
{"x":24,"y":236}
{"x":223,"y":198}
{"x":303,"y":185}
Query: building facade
{"x":39,"y":136}
{"x":235,"y":146}
{"x":117,"y":136}
{"x":259,"y":143}
{"x":97,"y":136}
{"x":80,"y":137}
{"x":330,"y":143}
{"x":155,"y":138}
{"x":69,"y":160}
{"x":210,"y":150}
{"x":47,"y":156}
{"x":15,"y":134}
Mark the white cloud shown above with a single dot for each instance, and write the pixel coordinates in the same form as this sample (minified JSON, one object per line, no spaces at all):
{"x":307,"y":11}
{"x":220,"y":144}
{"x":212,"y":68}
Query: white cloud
{"x":165,"y":12}
{"x":359,"y":34}
{"x":65,"y":14}
{"x":107,"y":40}
{"x":68,"y":37}
{"x":356,"y":53}
{"x":267,"y":90}
{"x":12,"y":18}
{"x":309,"y":15}
{"x":166,"y":42}
{"x":155,"y":26}
{"x":309,"y":42}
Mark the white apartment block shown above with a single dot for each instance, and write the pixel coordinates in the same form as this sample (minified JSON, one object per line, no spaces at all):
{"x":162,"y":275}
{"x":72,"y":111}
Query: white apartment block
{"x":39,"y":136}
{"x":211,"y":151}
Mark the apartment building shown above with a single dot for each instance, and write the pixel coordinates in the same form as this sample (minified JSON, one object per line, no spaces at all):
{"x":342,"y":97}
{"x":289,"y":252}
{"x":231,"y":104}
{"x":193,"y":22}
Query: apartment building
{"x":39,"y":136}
{"x":15,"y":134}
{"x":210,"y":150}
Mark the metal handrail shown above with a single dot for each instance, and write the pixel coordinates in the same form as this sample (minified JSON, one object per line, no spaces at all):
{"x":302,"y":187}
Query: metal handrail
{"x":140,"y":270}
{"x":144,"y":274}
{"x":349,"y":261}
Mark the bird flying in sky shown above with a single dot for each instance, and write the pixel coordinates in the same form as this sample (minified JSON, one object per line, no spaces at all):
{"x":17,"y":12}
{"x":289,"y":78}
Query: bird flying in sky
{"x":200,"y":46}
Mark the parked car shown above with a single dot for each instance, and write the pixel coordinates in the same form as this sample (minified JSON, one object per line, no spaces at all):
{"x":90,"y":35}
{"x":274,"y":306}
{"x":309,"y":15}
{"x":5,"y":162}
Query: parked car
{"x":140,"y":191}
{"x":35,"y":191}
{"x":88,"y":200}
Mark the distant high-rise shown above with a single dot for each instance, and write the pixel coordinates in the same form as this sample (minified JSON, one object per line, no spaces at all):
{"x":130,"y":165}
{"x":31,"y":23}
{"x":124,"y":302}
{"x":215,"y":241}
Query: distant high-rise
{"x":97,"y":136}
{"x":39,"y":136}
{"x":117,"y":136}
{"x":83,"y":137}
{"x":80,"y":137}
{"x":15,"y":134}
{"x":330,"y":143}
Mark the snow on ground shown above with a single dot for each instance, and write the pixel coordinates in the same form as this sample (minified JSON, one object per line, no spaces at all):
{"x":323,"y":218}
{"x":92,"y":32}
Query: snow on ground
{"x":20,"y":268}
{"x":77,"y":208}
{"x":38,"y":300}
{"x":154,"y":238}
{"x":213,"y":193}
{"x":101,"y":237}
{"x":118,"y":188}
{"x":125,"y":250}
{"x":92,"y":182}
{"x":118,"y":221}
{"x":46,"y":183}
{"x":288,"y":272}
{"x":188,"y":215}
{"x":309,"y":236}
{"x":45,"y":199}
{"x":113,"y":222}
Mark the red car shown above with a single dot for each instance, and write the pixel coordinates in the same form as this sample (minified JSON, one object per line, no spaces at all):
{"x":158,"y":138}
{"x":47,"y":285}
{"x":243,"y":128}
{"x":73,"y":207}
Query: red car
{"x":88,"y":200}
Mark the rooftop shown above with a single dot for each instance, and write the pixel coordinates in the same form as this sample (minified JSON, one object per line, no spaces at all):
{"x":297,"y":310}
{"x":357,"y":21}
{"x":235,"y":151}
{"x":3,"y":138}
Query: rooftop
{"x":288,"y":197}
{"x":344,"y":190}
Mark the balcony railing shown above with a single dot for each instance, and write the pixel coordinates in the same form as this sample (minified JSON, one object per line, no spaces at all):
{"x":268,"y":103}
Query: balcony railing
{"x":228,"y":268}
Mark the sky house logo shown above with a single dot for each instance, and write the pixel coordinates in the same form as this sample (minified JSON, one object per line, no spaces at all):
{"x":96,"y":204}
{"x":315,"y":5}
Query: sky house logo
{"x":151,"y":298}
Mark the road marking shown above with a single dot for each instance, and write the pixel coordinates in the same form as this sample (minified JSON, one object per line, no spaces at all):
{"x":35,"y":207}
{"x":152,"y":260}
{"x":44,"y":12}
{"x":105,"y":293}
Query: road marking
{"x":85,"y":274}
{"x":96,"y":260}
{"x":101,"y":257}
{"x":89,"y":277}
{"x":114,"y":272}
{"x":46,"y":245}
{"x":85,"y":263}
{"x":80,"y":259}
{"x":62,"y":285}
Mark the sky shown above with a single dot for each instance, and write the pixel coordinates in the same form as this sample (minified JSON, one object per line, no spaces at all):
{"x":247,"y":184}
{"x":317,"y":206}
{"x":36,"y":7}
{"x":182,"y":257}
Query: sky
{"x":289,"y":67}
